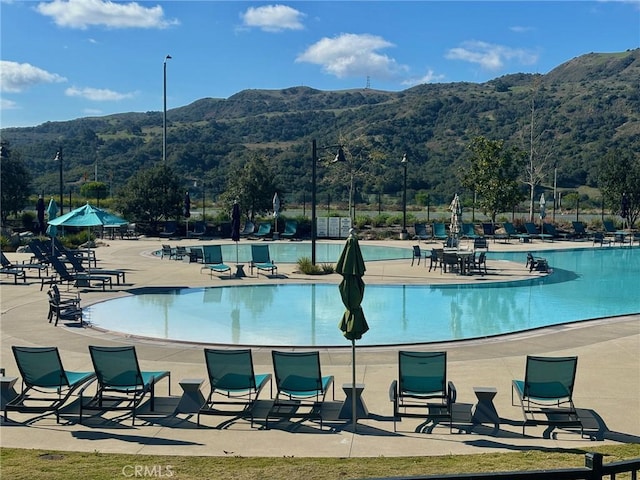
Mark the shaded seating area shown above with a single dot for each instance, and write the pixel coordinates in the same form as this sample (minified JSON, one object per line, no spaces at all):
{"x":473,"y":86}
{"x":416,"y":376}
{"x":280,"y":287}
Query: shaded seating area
{"x":46,"y":385}
{"x":546,"y":393}
{"x":290,"y":229}
{"x":421,"y":232}
{"x":261,"y":259}
{"x":301,"y":387}
{"x":213,"y":260}
{"x":421,"y":389}
{"x":234,"y":385}
{"x":121,"y":383}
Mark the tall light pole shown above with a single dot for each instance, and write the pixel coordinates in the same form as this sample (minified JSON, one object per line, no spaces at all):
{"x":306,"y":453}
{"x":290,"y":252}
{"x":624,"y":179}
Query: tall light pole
{"x":404,"y":234}
{"x":59,"y":160}
{"x":164,"y":116}
{"x":314,"y":161}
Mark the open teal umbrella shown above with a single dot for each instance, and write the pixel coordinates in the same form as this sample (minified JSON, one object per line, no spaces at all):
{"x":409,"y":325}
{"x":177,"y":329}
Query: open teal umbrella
{"x":353,"y":324}
{"x":87,"y":216}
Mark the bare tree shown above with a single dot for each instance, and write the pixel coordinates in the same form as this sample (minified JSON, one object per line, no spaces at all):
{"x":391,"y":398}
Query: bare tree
{"x":540,"y":153}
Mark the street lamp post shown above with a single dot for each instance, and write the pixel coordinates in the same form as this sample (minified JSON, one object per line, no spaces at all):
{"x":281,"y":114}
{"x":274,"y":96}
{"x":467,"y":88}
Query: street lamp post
{"x":314,"y":162}
{"x":404,"y":234}
{"x":59,"y":160}
{"x":164,"y":116}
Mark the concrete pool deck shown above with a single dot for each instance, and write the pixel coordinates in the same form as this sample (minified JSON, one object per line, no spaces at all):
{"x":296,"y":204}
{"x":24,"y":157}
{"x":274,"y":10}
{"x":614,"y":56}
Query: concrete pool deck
{"x":607,"y":382}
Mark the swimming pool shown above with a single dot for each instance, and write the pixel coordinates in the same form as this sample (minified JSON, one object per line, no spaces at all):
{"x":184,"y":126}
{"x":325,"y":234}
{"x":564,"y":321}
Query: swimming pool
{"x":585,"y":284}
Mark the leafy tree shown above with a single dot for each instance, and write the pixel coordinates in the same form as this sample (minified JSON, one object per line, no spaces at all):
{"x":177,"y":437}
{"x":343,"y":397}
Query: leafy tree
{"x":151,"y":195}
{"x":619,"y":174}
{"x":15,"y":180}
{"x":95,"y":190}
{"x":492,"y":174}
{"x":253,"y":188}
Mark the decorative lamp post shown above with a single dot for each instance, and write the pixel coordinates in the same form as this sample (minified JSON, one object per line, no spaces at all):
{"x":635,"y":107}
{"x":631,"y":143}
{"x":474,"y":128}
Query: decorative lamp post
{"x":314,"y":161}
{"x":164,"y":116}
{"x":404,"y":234}
{"x":59,"y":160}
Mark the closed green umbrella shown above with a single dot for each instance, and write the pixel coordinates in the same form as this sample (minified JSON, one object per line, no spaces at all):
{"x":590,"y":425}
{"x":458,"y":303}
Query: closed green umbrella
{"x":353,"y":324}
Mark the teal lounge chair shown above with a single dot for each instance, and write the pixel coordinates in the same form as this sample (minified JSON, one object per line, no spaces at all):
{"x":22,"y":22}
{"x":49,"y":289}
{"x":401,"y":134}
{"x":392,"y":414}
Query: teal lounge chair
{"x":609,"y":227}
{"x":264,"y":230}
{"x":546,"y":393}
{"x":439,"y":231}
{"x":513,"y":233}
{"x":234,"y":385}
{"x":550,"y":229}
{"x":46,"y":385}
{"x":301,"y":387}
{"x":532,"y":231}
{"x":121,"y":383}
{"x":290,"y":229}
{"x":249,"y":228}
{"x":261,"y":259}
{"x":213,"y":260}
{"x":422,"y":390}
{"x":579,"y":231}
{"x":421,"y":232}
{"x":469,"y":231}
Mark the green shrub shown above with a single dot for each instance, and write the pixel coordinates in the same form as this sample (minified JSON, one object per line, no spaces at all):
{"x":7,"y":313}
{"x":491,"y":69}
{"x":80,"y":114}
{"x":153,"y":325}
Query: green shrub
{"x":328,"y":268}
{"x":27,"y":219}
{"x":306,"y":267}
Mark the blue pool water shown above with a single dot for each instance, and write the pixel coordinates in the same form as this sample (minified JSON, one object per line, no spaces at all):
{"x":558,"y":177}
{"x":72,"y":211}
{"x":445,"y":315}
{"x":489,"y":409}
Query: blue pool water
{"x":585,"y":284}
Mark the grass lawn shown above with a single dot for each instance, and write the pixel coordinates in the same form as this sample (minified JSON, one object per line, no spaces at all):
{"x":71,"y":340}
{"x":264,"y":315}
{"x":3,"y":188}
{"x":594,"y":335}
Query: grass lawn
{"x":17,"y":464}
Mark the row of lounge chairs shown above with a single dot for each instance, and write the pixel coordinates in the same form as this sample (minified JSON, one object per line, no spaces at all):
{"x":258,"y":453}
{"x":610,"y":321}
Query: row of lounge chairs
{"x":507,"y":231}
{"x":422,"y":389}
{"x":263,"y":230}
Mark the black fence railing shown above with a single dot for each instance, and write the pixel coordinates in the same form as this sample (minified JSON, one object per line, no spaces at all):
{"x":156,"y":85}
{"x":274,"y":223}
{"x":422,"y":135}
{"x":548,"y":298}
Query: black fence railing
{"x":594,"y":469}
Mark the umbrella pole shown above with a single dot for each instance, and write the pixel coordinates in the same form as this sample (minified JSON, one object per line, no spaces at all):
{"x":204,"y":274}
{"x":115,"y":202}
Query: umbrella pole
{"x":353,"y":385}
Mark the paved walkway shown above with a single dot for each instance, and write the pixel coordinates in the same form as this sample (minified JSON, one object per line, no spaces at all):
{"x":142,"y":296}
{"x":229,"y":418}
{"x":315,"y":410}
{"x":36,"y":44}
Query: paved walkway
{"x":607,"y":384}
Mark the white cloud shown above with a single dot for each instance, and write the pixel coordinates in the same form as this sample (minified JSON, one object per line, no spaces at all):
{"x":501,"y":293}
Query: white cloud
{"x":521,"y":29}
{"x":97,"y":94}
{"x":429,"y":77}
{"x":84,"y":13}
{"x":490,"y":56}
{"x":273,"y":18}
{"x":17,"y":77}
{"x":8,"y":104}
{"x":352,"y":55}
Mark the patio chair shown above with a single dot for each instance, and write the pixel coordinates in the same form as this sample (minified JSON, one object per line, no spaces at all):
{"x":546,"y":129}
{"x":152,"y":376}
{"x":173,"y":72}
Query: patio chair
{"x":170,"y":229}
{"x":8,"y":264}
{"x":167,"y":251}
{"x":546,"y":393}
{"x":479,"y":264}
{"x":469,"y":231}
{"x":180,"y":252}
{"x":76,"y":264}
{"x":234,"y":385}
{"x":511,"y":232}
{"x":249,"y":228}
{"x":290,"y":229}
{"x":121,"y":383}
{"x":264,"y":230}
{"x":439,"y":231}
{"x":480,"y":243}
{"x":421,"y":231}
{"x":609,"y":227}
{"x":489,"y":231}
{"x":532,"y":231}
{"x":63,"y":308}
{"x":422,"y":390}
{"x":79,"y":279}
{"x":261,"y":260}
{"x":550,"y":229}
{"x":199,"y":229}
{"x":417,"y":253}
{"x":435,"y":257}
{"x":213,"y":260}
{"x":539,"y":264}
{"x":46,"y":385}
{"x":301,"y":387}
{"x":580,"y":231}
{"x":600,"y":238}
{"x":449,"y":261}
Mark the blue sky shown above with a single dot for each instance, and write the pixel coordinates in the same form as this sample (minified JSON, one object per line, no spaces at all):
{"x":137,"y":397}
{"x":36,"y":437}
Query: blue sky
{"x":66,"y":59}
